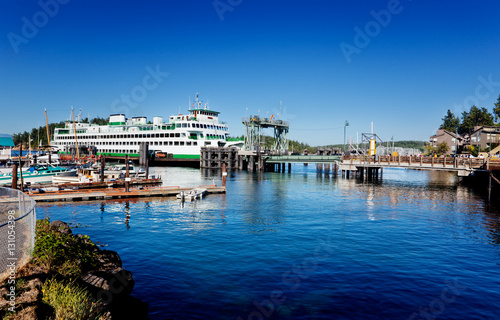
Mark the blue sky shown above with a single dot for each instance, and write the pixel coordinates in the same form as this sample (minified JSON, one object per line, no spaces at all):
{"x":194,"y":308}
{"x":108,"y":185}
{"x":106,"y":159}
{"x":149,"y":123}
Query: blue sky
{"x":412,"y":62}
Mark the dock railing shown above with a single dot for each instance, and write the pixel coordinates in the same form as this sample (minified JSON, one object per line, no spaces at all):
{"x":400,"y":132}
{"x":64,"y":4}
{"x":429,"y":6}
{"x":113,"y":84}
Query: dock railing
{"x":418,"y":161}
{"x":17,"y":230}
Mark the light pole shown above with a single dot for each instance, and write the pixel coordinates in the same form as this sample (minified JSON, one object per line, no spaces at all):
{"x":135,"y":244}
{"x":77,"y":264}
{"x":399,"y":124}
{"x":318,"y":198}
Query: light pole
{"x":346,"y":124}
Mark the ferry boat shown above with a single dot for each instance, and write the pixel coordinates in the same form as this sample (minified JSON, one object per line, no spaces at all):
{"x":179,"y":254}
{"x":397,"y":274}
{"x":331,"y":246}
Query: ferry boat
{"x":179,"y":138}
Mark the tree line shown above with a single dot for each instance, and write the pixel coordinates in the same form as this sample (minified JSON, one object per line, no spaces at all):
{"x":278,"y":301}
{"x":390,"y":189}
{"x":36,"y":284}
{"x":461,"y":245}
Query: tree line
{"x":465,"y":123}
{"x":38,"y":135}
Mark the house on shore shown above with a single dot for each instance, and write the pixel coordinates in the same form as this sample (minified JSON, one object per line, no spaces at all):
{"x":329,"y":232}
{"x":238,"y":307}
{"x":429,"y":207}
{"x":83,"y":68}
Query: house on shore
{"x":453,"y":140}
{"x":485,"y":137}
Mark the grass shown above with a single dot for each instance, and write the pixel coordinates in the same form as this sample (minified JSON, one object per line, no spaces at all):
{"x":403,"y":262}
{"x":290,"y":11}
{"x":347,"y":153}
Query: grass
{"x":69,"y":301}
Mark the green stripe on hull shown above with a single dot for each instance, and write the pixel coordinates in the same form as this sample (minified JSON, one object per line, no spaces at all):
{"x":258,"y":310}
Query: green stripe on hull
{"x":186,"y":156}
{"x":175,"y":156}
{"x":111,"y":154}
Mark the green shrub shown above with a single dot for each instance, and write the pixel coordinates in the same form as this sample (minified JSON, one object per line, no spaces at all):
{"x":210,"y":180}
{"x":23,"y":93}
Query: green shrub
{"x":63,"y":253}
{"x":69,"y":301}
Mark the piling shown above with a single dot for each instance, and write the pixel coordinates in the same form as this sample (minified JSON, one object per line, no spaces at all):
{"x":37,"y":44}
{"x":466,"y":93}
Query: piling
{"x":251,"y":164}
{"x":127,"y":182}
{"x":289,"y":167}
{"x":14,"y":176}
{"x":21,"y":166}
{"x":103,"y":166}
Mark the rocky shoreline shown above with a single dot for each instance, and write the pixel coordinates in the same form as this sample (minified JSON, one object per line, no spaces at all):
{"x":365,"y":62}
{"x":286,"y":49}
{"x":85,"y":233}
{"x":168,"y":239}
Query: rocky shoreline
{"x":108,"y":283}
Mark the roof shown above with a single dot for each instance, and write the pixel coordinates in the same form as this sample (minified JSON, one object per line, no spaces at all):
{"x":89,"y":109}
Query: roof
{"x":6,"y":141}
{"x":452,"y":134}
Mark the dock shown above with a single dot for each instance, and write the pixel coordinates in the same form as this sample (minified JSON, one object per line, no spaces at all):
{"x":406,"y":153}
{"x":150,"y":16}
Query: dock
{"x":116,"y":193}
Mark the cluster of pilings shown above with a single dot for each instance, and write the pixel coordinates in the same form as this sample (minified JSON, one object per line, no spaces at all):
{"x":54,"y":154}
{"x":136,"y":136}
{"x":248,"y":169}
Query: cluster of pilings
{"x":327,"y":167}
{"x":364,"y":173}
{"x":214,"y":158}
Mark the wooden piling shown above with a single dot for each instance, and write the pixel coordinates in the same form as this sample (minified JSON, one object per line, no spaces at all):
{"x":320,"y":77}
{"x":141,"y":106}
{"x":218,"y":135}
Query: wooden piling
{"x":14,"y":176}
{"x":21,"y":167}
{"x":103,"y":166}
{"x":147,"y":168}
{"x":127,"y":182}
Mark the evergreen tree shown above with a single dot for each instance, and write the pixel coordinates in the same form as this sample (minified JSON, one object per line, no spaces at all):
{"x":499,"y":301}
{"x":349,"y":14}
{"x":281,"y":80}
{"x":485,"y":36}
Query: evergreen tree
{"x":450,"y":122}
{"x":475,"y":117}
{"x":496,"y":110}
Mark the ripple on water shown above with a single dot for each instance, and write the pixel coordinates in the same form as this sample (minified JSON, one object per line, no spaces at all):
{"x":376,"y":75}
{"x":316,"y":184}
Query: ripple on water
{"x":326,"y":247}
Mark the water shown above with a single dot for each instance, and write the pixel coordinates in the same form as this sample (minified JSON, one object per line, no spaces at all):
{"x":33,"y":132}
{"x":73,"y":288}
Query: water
{"x":414,"y":245}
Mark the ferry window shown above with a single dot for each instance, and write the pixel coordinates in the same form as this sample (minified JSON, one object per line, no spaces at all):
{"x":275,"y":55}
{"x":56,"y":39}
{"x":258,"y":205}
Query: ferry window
{"x":156,"y":143}
{"x":182,"y":143}
{"x":157,"y":135}
{"x":204,"y":126}
{"x":148,"y":135}
{"x":176,"y":143}
{"x":184,"y":125}
{"x":170,"y":142}
{"x":207,"y":143}
{"x":177,"y":125}
{"x":177,"y":135}
{"x":188,"y":143}
{"x":195,"y":143}
{"x":162,"y":135}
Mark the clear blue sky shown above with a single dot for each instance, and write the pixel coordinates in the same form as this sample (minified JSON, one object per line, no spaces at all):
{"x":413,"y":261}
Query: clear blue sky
{"x":419,"y":59}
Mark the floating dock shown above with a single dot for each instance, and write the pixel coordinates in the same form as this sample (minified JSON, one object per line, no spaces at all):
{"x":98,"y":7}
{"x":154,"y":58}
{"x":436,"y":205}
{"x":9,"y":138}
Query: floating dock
{"x":87,"y":195}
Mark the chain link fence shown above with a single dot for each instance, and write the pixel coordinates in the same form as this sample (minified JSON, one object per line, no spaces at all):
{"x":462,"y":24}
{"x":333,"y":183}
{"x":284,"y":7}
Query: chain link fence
{"x":17,"y":230}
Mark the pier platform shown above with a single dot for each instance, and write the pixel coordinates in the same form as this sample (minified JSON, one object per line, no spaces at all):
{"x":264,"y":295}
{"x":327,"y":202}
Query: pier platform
{"x":91,"y":194}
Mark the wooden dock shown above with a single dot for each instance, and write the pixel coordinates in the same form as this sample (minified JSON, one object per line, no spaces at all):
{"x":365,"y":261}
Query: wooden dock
{"x":95,"y":194}
{"x":463,"y":166}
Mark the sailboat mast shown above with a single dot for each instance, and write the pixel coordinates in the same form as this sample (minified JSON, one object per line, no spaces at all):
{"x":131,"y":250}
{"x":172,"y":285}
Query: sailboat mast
{"x":47,"y":126}
{"x":76,"y":140}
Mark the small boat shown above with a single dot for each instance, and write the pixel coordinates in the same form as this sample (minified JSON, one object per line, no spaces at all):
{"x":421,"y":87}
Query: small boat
{"x":191,"y":195}
{"x":38,"y":174}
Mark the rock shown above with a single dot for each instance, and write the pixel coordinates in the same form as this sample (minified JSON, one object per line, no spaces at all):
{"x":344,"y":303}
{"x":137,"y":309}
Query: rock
{"x":109,"y":259}
{"x":60,"y":226}
{"x":109,"y":286}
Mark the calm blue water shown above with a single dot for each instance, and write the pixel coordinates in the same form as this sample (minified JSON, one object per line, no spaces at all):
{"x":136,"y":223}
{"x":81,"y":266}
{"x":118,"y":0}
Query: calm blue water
{"x":304,"y":245}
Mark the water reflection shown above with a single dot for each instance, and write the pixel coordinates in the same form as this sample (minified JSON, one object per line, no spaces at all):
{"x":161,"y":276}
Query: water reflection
{"x":127,"y":214}
{"x":395,"y":240}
